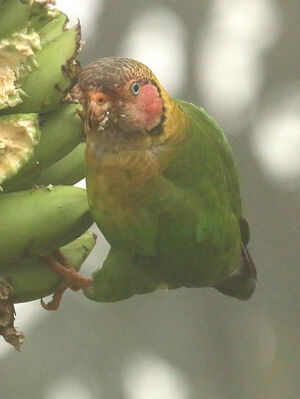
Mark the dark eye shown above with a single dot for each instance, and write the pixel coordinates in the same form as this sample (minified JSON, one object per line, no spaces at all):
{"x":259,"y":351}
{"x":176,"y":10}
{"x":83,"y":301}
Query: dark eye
{"x":135,"y":88}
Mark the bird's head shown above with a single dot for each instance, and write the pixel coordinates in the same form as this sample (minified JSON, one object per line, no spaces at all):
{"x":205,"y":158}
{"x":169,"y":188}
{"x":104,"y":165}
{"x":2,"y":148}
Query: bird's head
{"x":122,"y":94}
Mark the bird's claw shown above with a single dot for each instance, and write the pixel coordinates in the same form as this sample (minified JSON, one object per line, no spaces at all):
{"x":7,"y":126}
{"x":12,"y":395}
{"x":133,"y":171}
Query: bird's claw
{"x":70,"y":279}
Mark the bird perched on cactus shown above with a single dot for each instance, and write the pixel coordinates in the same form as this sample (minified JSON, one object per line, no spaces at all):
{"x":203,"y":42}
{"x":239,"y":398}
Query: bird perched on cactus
{"x":162,"y":187}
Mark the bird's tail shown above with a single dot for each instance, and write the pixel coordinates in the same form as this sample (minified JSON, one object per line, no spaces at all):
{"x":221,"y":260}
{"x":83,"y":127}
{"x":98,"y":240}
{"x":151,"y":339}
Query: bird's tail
{"x":242,"y":281}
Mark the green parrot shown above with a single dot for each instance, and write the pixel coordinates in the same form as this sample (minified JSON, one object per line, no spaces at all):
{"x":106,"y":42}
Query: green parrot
{"x":162,"y":187}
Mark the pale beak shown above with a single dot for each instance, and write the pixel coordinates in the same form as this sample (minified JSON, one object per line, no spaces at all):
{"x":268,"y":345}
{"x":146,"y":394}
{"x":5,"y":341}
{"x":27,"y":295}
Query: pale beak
{"x":97,"y":109}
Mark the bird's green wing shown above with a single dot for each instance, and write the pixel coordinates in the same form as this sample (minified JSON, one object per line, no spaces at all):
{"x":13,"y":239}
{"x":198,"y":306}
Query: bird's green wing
{"x":207,"y":136}
{"x":207,"y":133}
{"x":203,"y":130}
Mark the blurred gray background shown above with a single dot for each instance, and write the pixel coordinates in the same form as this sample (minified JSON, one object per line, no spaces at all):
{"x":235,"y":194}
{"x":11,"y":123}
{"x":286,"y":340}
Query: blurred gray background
{"x":239,"y":60}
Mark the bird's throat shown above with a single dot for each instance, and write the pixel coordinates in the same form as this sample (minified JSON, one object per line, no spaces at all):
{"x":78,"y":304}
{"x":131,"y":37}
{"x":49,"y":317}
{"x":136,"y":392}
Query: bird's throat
{"x":117,"y":173}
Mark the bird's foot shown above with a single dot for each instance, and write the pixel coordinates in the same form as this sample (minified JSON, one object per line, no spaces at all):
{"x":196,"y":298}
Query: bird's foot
{"x":56,"y":298}
{"x":70,"y":279}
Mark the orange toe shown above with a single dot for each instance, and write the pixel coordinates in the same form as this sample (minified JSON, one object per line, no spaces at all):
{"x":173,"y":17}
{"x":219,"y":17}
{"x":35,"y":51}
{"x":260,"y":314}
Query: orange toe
{"x":56,"y":298}
{"x":70,"y":279}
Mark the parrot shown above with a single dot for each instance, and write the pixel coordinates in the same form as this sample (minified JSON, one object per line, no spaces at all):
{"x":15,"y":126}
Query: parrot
{"x":162,"y":187}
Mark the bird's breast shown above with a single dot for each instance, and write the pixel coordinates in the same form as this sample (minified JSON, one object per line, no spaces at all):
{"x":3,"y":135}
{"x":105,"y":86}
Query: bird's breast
{"x":118,"y":179}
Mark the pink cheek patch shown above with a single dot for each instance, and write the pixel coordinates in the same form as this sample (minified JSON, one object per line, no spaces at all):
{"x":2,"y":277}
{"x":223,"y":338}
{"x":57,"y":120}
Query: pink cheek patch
{"x":150,"y":105}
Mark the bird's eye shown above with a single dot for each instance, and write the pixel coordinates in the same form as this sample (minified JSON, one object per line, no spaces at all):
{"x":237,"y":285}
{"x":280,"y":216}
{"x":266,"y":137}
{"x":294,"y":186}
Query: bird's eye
{"x":135,"y":88}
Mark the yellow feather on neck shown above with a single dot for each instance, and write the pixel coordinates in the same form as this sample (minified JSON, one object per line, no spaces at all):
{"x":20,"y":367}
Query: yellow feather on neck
{"x":175,"y":124}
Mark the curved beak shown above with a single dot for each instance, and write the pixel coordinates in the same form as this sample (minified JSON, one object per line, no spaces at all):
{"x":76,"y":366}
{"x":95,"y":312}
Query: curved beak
{"x":97,"y":110}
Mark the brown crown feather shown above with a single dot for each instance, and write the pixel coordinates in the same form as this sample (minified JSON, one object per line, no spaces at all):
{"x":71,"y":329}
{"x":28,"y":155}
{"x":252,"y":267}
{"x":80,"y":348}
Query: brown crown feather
{"x":110,"y":74}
